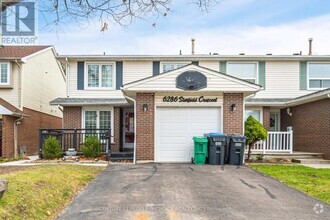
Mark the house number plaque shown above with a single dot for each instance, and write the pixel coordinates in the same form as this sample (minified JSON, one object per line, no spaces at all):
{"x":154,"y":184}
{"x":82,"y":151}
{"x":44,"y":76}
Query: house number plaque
{"x":188,"y":99}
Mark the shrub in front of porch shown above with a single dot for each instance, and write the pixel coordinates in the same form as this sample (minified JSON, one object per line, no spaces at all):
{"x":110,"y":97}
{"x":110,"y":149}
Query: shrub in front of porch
{"x":52,"y":148}
{"x":254,"y":132}
{"x":91,"y":147}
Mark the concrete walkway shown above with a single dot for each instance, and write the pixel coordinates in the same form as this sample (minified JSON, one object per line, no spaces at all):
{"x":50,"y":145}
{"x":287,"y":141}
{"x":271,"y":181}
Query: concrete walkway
{"x":186,"y":191}
{"x":317,"y":166}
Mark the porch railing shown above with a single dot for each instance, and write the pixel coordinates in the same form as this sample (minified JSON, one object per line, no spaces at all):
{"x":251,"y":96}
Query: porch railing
{"x":75,"y":138}
{"x":276,"y":142}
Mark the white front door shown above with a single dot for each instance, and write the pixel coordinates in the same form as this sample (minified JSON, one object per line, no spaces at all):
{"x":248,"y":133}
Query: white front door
{"x":128,"y":129}
{"x":175,"y":128}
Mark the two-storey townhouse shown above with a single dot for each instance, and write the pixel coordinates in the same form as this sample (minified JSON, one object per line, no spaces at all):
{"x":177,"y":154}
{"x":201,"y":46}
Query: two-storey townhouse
{"x":154,"y":105}
{"x":31,"y":77}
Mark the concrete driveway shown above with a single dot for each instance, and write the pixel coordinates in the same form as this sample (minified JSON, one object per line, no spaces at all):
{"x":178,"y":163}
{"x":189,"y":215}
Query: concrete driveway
{"x":186,"y":191}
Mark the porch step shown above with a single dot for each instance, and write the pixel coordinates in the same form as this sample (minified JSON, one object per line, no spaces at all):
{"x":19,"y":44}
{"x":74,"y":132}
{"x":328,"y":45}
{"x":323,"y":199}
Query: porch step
{"x":311,"y":161}
{"x":121,"y":156}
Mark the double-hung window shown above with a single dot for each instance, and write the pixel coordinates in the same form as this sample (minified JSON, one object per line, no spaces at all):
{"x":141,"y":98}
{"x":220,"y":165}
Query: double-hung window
{"x":171,"y":66}
{"x":318,"y":75}
{"x":4,"y":74}
{"x":245,"y":71}
{"x":100,"y":76}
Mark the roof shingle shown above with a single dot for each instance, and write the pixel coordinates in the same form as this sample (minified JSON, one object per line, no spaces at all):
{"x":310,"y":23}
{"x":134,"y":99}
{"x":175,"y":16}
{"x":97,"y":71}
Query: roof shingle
{"x":18,"y":52}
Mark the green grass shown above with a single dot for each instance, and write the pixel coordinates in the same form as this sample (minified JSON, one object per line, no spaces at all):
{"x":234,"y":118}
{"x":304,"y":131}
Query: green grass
{"x":313,"y":182}
{"x":41,"y":192}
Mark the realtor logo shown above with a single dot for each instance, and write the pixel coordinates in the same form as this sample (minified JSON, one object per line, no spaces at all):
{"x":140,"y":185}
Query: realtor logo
{"x":18,"y":22}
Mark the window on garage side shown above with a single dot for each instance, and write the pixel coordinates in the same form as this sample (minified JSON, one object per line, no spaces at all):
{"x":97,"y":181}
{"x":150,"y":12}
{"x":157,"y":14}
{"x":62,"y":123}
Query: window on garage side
{"x":318,"y":75}
{"x":245,"y":71}
{"x":256,"y":113}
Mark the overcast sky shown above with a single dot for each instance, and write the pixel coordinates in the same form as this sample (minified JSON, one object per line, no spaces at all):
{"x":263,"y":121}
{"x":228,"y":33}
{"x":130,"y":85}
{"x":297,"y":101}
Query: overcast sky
{"x":235,"y":26}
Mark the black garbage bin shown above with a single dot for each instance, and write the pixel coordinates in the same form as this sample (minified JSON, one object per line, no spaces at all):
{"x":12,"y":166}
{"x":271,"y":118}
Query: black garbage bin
{"x":216,"y":148}
{"x":236,"y":149}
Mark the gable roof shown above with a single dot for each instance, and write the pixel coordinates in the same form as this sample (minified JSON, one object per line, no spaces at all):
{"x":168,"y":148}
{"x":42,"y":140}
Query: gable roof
{"x":8,"y":109}
{"x":166,"y":82}
{"x":19,"y":52}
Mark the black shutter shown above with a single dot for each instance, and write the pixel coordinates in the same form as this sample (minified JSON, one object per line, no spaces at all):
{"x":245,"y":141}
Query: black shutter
{"x":119,"y":74}
{"x":155,"y":68}
{"x":80,"y":75}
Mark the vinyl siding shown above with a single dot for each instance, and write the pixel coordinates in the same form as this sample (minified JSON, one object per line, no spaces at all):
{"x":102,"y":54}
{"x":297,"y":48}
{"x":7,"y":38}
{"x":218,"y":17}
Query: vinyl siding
{"x":11,"y":95}
{"x":135,"y":70}
{"x":87,"y":93}
{"x":282,"y":80}
{"x":213,"y":65}
{"x":42,"y":82}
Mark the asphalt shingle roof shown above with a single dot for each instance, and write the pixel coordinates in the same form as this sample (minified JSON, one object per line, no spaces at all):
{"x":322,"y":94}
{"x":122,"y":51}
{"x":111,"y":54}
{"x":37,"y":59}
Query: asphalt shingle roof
{"x":86,"y":101}
{"x":18,"y":52}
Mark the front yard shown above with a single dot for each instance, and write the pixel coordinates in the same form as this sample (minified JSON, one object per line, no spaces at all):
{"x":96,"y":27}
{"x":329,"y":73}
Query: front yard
{"x":41,"y":192}
{"x":314,"y":182}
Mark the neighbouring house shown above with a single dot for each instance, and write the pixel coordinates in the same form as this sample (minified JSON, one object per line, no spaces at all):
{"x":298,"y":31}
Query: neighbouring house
{"x":31,"y":77}
{"x":154,"y":105}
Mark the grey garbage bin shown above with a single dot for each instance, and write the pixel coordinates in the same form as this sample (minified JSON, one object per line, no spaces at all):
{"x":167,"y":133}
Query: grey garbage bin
{"x":216,"y":148}
{"x":236,"y":149}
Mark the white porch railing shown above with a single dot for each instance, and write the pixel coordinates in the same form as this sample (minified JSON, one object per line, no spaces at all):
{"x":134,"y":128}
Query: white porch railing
{"x":276,"y":142}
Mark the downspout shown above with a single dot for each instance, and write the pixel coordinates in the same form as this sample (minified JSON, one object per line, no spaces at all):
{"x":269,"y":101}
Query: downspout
{"x":20,"y":85}
{"x":16,"y":123}
{"x":134,"y":146}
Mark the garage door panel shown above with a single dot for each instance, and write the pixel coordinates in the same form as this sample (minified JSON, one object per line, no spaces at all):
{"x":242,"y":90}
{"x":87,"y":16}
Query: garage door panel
{"x":174,"y":134}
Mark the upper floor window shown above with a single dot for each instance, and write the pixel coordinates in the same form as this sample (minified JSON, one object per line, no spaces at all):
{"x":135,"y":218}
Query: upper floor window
{"x":100,"y":76}
{"x":245,"y":71}
{"x":5,"y":74}
{"x":171,"y":66}
{"x":319,"y":75}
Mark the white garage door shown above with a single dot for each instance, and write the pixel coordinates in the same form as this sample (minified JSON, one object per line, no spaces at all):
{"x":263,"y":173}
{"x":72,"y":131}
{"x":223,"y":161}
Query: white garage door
{"x":175,"y":128}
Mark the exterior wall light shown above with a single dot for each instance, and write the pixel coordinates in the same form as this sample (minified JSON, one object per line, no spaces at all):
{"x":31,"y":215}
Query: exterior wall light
{"x":145,"y":107}
{"x":233,"y":107}
{"x":288,"y":111}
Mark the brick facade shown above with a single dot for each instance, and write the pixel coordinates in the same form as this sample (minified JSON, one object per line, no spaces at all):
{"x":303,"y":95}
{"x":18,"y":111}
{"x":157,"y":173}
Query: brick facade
{"x":311,"y":126}
{"x":145,"y":126}
{"x":233,"y":121}
{"x":266,"y":117}
{"x":72,"y":116}
{"x":27,"y":131}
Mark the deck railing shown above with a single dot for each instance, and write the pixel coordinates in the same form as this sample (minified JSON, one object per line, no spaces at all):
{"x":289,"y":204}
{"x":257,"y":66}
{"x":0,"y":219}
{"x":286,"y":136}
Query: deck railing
{"x":74,"y":138}
{"x":276,"y":142}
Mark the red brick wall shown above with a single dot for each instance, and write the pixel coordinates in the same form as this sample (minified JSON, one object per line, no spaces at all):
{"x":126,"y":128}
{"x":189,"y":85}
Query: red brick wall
{"x":72,"y":117}
{"x":233,"y":121}
{"x":311,"y":126}
{"x":27,"y":131}
{"x":145,"y":126}
{"x":7,"y":136}
{"x":266,"y":117}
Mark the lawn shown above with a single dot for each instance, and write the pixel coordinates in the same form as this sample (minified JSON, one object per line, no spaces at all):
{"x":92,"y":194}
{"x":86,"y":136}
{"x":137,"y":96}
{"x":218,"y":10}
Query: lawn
{"x":313,"y":182}
{"x":41,"y":192}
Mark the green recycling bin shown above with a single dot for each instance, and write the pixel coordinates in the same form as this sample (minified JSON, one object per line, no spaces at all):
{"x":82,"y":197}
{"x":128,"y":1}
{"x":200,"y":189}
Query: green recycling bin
{"x":200,"y":150}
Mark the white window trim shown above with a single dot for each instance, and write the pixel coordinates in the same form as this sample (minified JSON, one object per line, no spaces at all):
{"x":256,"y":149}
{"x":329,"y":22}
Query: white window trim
{"x":258,"y":109}
{"x":174,"y":63}
{"x":98,"y":109}
{"x":245,"y":62}
{"x":100,"y":88}
{"x":318,"y":78}
{"x":8,"y":83}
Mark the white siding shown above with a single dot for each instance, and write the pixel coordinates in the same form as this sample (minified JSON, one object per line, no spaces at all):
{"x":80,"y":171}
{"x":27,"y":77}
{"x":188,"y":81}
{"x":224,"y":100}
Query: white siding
{"x":135,"y":70}
{"x":282,"y":80}
{"x":73,"y":92}
{"x":11,"y":95}
{"x":213,"y":65}
{"x":42,"y":83}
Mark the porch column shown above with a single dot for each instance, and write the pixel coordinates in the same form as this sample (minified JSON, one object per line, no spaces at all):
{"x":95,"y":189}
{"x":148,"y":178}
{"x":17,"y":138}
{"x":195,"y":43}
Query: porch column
{"x":145,"y":124}
{"x":233,"y":120}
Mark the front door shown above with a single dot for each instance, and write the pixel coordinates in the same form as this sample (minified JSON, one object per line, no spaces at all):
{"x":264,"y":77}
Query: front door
{"x":274,"y":121}
{"x":128,"y":131}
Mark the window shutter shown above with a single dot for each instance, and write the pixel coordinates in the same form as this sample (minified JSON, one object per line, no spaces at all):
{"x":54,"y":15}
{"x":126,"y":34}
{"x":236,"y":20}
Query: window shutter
{"x":80,"y":75}
{"x":262,"y":74}
{"x":155,"y":68}
{"x":119,"y":74}
{"x":223,"y":66}
{"x":195,"y":63}
{"x":303,"y":75}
